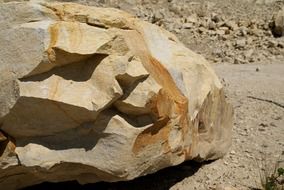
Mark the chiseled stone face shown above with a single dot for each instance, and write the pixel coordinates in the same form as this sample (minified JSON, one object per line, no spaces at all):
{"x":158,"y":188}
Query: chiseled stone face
{"x":94,"y":94}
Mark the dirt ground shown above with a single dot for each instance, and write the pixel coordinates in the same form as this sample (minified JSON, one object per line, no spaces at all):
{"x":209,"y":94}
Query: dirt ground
{"x":234,"y":35}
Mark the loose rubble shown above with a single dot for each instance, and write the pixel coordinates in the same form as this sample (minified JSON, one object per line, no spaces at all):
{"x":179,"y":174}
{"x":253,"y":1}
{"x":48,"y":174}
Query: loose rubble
{"x":221,"y":36}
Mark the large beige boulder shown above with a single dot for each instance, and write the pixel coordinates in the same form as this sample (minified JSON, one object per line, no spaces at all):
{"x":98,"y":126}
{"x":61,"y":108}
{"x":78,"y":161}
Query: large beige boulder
{"x":93,"y":94}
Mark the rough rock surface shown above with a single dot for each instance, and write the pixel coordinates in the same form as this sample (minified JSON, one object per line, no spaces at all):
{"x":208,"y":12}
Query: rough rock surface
{"x":94,"y":94}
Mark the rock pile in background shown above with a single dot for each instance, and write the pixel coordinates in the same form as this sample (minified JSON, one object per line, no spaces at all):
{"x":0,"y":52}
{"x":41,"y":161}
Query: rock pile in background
{"x":220,"y":33}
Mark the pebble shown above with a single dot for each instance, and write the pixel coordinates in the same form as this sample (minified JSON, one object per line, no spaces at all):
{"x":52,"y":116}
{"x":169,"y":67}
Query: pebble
{"x":261,"y":129}
{"x":243,"y":31}
{"x":272,"y":43}
{"x":211,"y":26}
{"x":216,"y":18}
{"x":273,"y":124}
{"x":248,"y":54}
{"x":192,"y":19}
{"x":231,"y":25}
{"x":220,"y":32}
{"x":264,"y":125}
{"x":187,"y":26}
{"x":239,"y":61}
{"x":240,"y":43}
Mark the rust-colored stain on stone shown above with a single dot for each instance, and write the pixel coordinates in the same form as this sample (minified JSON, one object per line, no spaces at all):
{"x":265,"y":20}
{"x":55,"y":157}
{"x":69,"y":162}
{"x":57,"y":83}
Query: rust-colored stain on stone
{"x":53,"y":31}
{"x":168,"y":103}
{"x":157,"y":133}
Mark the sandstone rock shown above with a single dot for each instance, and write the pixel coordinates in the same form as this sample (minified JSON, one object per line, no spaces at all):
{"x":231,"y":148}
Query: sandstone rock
{"x":94,"y":94}
{"x":225,"y":29}
{"x":243,"y":31}
{"x":238,"y":60}
{"x":249,"y":55}
{"x":281,"y":44}
{"x":187,"y":26}
{"x":202,"y":30}
{"x":211,"y":26}
{"x":192,"y":19}
{"x":216,"y":18}
{"x":231,"y":24}
{"x":220,"y":32}
{"x":272,"y":43}
{"x":240,"y":43}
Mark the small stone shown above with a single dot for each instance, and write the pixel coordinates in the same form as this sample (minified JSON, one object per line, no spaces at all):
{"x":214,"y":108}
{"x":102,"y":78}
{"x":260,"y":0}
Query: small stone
{"x":249,"y":41}
{"x":231,"y":25}
{"x":192,"y":19}
{"x":263,"y":125}
{"x":280,"y":45}
{"x":221,"y":24}
{"x":215,"y":18}
{"x":218,"y":52}
{"x":249,"y":155}
{"x":228,"y":45}
{"x":239,"y":61}
{"x":220,"y":32}
{"x":247,"y":151}
{"x":187,"y":25}
{"x":201,"y":30}
{"x":256,"y":32}
{"x":240,"y":44}
{"x":227,"y":60}
{"x":273,"y":124}
{"x":177,"y":30}
{"x":248,"y":53}
{"x":257,"y":69}
{"x":243,"y":23}
{"x":156,"y":17}
{"x":261,"y":129}
{"x":211,"y":26}
{"x":212,"y":33}
{"x":203,"y":24}
{"x":243,"y":31}
{"x":225,"y":29}
{"x":272,"y":43}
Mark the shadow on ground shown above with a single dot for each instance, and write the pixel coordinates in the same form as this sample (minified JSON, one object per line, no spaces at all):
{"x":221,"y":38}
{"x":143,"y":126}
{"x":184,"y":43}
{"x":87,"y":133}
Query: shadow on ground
{"x":161,"y":180}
